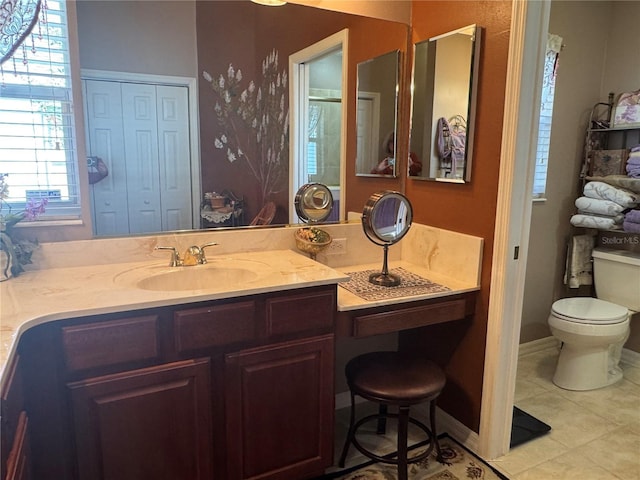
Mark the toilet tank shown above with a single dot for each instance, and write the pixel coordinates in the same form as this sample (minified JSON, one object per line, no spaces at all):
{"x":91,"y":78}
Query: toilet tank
{"x":616,"y":276}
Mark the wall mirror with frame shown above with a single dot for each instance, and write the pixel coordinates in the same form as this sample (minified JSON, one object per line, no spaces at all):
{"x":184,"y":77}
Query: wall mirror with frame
{"x":214,"y":37}
{"x":138,"y":65}
{"x":377,"y":115}
{"x":445,"y":76}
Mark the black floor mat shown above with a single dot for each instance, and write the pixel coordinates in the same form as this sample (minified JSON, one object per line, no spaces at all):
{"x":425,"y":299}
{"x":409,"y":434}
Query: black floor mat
{"x":525,"y":427}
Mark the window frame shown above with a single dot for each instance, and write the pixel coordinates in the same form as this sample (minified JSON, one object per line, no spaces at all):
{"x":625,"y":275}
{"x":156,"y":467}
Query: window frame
{"x":70,"y":208}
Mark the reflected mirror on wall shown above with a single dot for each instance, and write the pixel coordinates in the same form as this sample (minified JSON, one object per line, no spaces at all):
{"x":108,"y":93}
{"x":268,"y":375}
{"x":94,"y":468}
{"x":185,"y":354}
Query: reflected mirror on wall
{"x":130,"y":38}
{"x":377,"y":115}
{"x":445,"y":74}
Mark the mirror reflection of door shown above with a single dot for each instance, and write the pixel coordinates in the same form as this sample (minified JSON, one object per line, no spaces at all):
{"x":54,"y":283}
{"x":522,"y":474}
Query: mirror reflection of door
{"x":318,"y":111}
{"x":377,"y":115}
{"x":444,"y":94}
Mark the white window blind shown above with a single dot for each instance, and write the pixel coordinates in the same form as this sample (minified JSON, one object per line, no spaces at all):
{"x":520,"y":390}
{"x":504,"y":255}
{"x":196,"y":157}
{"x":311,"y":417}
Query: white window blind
{"x":554,"y":45}
{"x":37,"y":140}
{"x":315,"y":113}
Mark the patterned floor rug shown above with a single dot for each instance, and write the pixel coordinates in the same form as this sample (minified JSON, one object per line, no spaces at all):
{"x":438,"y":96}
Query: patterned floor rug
{"x":460,"y":464}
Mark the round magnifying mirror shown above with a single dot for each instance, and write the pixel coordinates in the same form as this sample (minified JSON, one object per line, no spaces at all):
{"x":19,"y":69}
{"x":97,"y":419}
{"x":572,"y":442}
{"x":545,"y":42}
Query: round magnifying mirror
{"x":386,"y":218}
{"x":313,"y":202}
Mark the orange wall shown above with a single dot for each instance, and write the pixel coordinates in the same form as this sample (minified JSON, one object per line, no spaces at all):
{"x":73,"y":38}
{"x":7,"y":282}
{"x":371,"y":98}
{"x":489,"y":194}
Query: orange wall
{"x":469,"y":208}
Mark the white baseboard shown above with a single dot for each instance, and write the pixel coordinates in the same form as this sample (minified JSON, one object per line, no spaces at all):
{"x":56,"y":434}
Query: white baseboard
{"x":537,"y":345}
{"x":628,"y":356}
{"x":445,"y":423}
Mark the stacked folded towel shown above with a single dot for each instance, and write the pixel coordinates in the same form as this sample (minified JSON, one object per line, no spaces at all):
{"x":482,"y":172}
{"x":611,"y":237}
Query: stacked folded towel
{"x":633,"y":162}
{"x":603,"y":206}
{"x":631,"y":221}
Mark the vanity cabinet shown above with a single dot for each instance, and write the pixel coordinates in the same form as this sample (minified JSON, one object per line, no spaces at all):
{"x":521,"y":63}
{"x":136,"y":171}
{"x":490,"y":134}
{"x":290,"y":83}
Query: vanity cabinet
{"x":280,"y":409}
{"x":224,"y":389}
{"x":147,"y":423}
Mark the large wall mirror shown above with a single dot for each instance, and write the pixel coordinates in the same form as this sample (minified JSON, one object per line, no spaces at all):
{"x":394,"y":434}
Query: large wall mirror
{"x":186,"y":59}
{"x":445,"y":75}
{"x":376,"y":116}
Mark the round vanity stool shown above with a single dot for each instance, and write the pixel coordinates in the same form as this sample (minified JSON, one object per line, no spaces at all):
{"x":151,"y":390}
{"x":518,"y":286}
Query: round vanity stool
{"x":394,"y":379}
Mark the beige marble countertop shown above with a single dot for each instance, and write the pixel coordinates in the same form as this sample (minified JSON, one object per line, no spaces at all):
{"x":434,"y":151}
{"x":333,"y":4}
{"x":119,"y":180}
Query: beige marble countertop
{"x":350,"y":301}
{"x":91,"y":277}
{"x":42,"y":296}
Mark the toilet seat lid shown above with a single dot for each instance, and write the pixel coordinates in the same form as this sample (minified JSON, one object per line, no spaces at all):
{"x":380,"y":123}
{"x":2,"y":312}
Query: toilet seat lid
{"x":589,"y":310}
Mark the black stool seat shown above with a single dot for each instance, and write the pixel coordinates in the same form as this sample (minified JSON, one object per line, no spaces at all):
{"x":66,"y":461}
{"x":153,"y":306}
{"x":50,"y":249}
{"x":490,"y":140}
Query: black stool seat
{"x":395,"y":378}
{"x":399,"y":380}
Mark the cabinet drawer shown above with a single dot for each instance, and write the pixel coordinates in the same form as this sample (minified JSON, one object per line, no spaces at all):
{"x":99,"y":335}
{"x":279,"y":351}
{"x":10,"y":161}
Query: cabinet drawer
{"x":406,"y":318}
{"x":300,"y":313}
{"x":214,"y":326}
{"x":111,"y":342}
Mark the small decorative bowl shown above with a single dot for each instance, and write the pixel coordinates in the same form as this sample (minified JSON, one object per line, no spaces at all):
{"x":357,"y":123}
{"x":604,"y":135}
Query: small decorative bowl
{"x":311,"y":240}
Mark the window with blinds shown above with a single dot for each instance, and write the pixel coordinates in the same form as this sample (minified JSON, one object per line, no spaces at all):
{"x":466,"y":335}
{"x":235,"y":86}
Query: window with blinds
{"x":37,"y":141}
{"x":554,"y":45}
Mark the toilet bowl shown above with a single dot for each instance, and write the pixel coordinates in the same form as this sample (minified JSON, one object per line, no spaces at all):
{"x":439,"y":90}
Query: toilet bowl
{"x":592,"y":332}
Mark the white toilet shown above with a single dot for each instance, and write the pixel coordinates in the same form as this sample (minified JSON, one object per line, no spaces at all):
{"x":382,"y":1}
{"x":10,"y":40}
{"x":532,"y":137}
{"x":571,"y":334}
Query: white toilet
{"x":593,"y":330}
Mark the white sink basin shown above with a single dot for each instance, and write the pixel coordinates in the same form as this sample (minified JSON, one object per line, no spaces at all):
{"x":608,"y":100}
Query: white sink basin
{"x":215,"y":275}
{"x":193,"y":278}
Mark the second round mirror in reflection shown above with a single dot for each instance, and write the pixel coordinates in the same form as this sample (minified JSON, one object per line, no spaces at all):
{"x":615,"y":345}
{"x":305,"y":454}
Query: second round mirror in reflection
{"x":313,"y":202}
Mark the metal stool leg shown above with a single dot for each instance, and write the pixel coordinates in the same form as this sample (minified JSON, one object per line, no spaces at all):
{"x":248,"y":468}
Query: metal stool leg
{"x":403,"y":430}
{"x":432,"y":422}
{"x":349,"y":439}
{"x":382,"y":420}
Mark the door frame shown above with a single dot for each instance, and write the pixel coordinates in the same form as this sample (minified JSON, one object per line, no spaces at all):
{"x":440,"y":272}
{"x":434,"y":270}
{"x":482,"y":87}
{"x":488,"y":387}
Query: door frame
{"x":529,"y":28}
{"x":194,"y":120}
{"x":298,"y":89}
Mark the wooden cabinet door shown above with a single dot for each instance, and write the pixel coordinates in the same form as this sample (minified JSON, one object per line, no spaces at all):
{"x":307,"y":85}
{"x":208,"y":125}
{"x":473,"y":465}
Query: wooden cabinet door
{"x":279,"y":410}
{"x":151,"y":423}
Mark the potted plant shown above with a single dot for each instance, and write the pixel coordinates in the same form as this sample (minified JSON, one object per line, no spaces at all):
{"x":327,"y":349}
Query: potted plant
{"x":15,"y":252}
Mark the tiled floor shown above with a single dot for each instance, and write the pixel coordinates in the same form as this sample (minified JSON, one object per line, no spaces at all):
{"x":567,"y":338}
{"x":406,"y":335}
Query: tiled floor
{"x":595,"y":434}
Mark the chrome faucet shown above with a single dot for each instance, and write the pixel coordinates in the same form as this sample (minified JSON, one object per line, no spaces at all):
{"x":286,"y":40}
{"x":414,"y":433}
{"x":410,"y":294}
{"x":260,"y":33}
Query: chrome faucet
{"x":194,"y":255}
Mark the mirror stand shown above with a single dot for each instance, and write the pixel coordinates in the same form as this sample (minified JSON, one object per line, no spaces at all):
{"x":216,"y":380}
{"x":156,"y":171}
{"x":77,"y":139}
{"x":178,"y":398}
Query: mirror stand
{"x":386,"y":218}
{"x":384,"y":278}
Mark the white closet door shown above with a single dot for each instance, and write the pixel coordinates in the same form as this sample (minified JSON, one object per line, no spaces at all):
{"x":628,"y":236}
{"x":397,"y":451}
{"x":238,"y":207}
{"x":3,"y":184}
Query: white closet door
{"x":141,"y":147}
{"x":174,"y":157}
{"x":106,"y":140}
